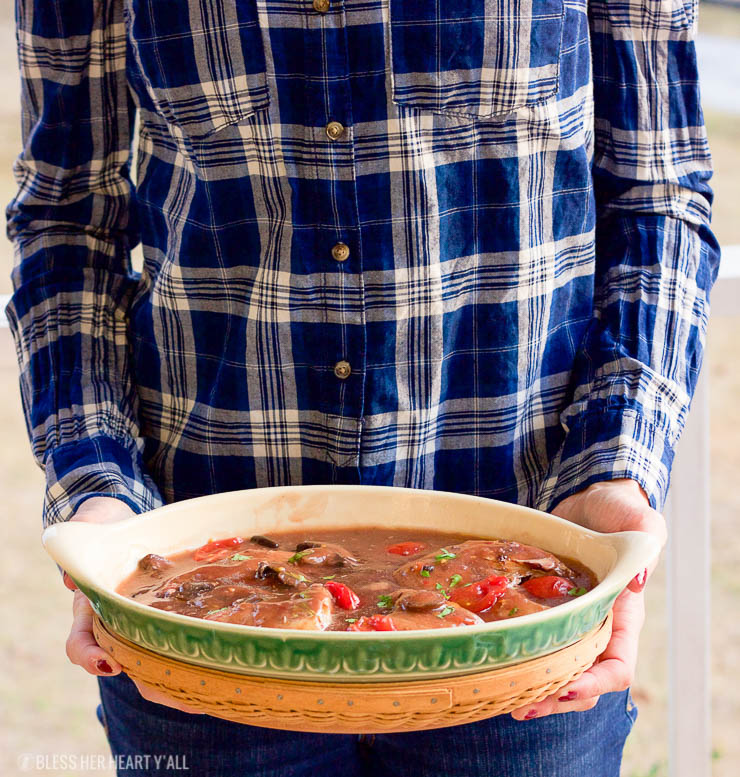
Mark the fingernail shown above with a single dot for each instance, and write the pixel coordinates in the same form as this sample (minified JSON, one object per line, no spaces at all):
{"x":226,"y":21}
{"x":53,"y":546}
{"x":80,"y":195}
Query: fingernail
{"x":569,"y":696}
{"x":641,"y":578}
{"x":103,"y":666}
{"x":531,"y":714}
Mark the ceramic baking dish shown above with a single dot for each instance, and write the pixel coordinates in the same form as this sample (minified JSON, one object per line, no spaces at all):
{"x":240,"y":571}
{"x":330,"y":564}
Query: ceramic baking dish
{"x":99,"y":557}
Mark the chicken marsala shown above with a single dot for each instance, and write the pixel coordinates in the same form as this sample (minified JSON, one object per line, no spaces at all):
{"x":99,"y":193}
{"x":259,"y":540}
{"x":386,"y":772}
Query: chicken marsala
{"x":361,"y":579}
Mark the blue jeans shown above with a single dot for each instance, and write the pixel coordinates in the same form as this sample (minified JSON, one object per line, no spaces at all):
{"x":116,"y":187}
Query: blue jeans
{"x":574,"y":744}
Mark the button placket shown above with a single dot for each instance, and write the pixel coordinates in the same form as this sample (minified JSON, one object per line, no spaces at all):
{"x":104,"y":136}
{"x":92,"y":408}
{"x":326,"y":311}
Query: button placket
{"x":344,"y":343}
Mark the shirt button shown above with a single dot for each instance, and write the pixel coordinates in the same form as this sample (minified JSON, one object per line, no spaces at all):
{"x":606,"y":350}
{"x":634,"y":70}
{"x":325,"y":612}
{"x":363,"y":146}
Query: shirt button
{"x":334,"y":130}
{"x":340,"y":252}
{"x":322,"y":6}
{"x":342,"y":370}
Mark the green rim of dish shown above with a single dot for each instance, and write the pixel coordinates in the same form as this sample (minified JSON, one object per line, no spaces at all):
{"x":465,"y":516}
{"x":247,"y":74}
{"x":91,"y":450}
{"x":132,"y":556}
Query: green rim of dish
{"x":450,"y":652}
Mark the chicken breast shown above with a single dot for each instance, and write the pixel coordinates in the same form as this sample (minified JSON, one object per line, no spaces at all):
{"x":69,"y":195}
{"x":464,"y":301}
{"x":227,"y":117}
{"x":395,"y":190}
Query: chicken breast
{"x":515,"y":601}
{"x":475,"y":560}
{"x":410,"y":608}
{"x":311,"y":609}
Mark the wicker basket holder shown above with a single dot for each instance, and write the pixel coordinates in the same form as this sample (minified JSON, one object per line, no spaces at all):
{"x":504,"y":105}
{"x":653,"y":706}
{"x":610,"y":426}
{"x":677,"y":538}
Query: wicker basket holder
{"x":357,"y":708}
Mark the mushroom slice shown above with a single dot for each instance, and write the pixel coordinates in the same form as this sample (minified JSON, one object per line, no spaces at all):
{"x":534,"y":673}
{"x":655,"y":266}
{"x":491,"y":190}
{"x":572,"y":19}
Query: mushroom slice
{"x":280,"y":574}
{"x":322,"y":554}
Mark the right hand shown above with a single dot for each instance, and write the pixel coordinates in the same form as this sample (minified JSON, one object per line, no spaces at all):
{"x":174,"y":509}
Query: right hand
{"x":82,"y":649}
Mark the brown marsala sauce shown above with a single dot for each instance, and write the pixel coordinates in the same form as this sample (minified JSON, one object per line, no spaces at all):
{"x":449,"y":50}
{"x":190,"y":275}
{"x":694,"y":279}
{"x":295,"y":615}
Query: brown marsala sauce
{"x":451,"y":580}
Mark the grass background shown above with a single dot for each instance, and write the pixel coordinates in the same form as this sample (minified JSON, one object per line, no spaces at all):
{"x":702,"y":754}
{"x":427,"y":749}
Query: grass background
{"x":48,"y":706}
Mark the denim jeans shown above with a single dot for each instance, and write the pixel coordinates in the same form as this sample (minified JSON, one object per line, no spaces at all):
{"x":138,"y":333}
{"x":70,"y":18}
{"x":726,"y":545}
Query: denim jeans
{"x":574,"y":744}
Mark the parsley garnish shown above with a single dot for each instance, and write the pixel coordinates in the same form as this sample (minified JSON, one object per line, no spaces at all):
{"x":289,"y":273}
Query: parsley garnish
{"x":441,"y":589}
{"x":454,"y":580}
{"x":240,"y":557}
{"x":351,"y":620}
{"x":444,"y":555}
{"x":513,"y":611}
{"x":384,"y":601}
{"x":576,"y":592}
{"x":213,"y":612}
{"x":296,"y":557}
{"x":328,"y":577}
{"x":445,"y":612}
{"x":424,"y":572}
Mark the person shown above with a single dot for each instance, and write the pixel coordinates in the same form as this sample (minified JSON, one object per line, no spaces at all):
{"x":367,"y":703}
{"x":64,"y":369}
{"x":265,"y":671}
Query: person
{"x":460,"y":246}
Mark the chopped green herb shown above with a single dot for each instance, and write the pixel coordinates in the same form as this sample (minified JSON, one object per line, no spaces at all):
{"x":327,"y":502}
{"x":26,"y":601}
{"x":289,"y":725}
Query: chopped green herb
{"x":384,"y":601}
{"x":454,"y":580}
{"x":576,"y":592}
{"x":213,"y":612}
{"x":240,"y":557}
{"x":351,"y":620}
{"x":296,"y":557}
{"x":513,"y":611}
{"x":441,"y":589}
{"x":444,"y":555}
{"x":424,"y":572}
{"x":328,"y":577}
{"x":445,"y":612}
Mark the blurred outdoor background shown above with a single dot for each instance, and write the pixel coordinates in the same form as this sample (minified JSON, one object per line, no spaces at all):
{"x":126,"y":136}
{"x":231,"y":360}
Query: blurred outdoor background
{"x":48,"y":706}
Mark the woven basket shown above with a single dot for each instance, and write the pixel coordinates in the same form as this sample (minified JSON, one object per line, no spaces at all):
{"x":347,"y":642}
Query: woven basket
{"x":357,"y":708}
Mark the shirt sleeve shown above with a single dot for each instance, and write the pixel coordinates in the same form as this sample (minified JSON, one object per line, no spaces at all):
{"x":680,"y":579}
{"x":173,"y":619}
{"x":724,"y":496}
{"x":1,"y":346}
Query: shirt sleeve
{"x":72,"y":224}
{"x":656,"y":257}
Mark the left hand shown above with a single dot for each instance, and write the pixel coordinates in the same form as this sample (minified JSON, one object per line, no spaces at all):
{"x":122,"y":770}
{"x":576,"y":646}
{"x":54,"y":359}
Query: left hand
{"x":610,"y":506}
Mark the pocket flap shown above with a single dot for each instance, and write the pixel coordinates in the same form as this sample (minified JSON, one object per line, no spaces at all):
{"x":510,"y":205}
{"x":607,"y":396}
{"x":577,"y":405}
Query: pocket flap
{"x":203,"y":64}
{"x":475,"y":57}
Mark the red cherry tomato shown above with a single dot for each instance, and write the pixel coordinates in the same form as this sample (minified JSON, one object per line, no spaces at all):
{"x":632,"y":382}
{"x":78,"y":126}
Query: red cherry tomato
{"x":217,"y":549}
{"x":406,"y":548}
{"x":343,"y":595}
{"x":373,"y":623}
{"x":481,"y":595}
{"x":548,"y":586}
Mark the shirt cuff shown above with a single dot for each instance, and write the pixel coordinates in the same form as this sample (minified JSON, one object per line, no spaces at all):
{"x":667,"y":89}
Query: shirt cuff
{"x":607,"y":445}
{"x":96,"y":466}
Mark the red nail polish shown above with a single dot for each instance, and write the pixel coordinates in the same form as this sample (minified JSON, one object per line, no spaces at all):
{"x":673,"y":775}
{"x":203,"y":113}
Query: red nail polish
{"x":569,"y":696}
{"x":641,"y":578}
{"x":103,"y":666}
{"x":531,"y":714}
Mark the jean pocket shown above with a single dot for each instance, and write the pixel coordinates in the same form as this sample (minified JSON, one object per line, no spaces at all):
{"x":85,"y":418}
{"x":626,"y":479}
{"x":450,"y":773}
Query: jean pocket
{"x":202,"y":64}
{"x":476,"y":58}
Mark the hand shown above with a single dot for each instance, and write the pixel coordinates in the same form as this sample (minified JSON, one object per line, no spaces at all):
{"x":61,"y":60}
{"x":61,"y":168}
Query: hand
{"x":82,"y":649}
{"x":616,"y":505}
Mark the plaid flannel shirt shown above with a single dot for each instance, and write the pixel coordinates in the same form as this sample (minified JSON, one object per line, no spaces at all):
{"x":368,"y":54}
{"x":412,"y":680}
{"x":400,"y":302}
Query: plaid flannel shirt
{"x":459,"y":246}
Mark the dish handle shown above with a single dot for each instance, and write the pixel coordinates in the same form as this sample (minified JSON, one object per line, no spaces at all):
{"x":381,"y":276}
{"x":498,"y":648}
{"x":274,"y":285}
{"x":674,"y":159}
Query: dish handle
{"x":636,"y":550}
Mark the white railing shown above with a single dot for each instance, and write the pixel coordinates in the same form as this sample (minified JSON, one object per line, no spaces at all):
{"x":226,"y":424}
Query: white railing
{"x":688,"y":564}
{"x":689,"y":595}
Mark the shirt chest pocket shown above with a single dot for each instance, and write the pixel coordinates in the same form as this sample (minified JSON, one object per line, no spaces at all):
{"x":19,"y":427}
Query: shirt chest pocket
{"x":202,"y":62}
{"x":475,"y":57}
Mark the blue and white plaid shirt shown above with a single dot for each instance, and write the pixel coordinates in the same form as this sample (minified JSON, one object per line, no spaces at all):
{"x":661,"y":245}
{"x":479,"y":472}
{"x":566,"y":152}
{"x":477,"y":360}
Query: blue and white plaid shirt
{"x":459,"y":246}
